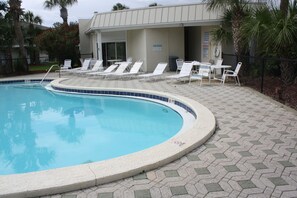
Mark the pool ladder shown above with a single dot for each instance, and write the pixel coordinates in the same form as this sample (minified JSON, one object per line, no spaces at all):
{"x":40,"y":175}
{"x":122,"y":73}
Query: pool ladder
{"x":55,"y":65}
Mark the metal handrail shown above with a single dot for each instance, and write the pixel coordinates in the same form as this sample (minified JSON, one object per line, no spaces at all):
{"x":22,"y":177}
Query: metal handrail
{"x":48,"y":73}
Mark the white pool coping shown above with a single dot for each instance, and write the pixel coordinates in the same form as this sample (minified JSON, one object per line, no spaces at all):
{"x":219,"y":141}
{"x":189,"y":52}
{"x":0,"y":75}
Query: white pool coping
{"x":77,"y":177}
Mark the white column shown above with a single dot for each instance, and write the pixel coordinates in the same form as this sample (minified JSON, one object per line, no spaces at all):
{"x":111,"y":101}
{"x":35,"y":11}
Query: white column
{"x":98,"y":46}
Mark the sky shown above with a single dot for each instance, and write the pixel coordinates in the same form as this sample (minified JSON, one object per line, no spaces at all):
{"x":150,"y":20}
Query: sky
{"x":85,"y":9}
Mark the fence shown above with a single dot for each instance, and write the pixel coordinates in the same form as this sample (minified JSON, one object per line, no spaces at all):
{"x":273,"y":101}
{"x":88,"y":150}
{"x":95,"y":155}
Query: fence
{"x":264,"y":74}
{"x":258,"y":67}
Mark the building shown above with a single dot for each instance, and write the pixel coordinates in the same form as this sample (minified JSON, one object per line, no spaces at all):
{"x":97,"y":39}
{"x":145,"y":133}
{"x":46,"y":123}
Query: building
{"x":152,"y":34}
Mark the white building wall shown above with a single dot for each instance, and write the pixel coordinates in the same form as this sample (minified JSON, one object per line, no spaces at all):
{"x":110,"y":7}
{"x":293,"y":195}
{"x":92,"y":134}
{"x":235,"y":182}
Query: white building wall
{"x":157,"y":47}
{"x":162,"y":43}
{"x":176,"y":42}
{"x":118,"y":36}
{"x":136,"y":46}
{"x":85,"y":45}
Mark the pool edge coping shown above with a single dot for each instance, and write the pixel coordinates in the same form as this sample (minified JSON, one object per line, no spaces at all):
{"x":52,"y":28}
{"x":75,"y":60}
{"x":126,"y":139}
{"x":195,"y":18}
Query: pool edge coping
{"x":88,"y":175}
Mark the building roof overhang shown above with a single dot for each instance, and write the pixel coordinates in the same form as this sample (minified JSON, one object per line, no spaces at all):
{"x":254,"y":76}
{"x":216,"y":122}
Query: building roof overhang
{"x":155,"y":17}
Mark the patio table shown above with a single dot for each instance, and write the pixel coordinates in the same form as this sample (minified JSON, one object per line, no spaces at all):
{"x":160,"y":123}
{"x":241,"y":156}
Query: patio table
{"x":196,"y":65}
{"x":214,"y":67}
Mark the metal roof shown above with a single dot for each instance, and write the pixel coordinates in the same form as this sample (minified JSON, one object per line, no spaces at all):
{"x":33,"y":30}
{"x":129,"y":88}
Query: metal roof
{"x":164,"y":16}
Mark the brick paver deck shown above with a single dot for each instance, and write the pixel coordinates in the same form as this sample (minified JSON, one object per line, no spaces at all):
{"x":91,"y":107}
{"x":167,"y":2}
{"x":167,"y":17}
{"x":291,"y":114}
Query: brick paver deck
{"x":252,"y":153}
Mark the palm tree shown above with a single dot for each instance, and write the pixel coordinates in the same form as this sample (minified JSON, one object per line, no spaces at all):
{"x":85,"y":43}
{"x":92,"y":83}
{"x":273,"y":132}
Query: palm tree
{"x":282,"y":38}
{"x":284,"y":5}
{"x":31,"y":19}
{"x":62,"y":4}
{"x":31,"y":33}
{"x":238,"y":9}
{"x":119,"y":6}
{"x":275,"y":32}
{"x":16,"y":11}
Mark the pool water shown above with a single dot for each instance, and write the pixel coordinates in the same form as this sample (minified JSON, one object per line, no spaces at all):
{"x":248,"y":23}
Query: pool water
{"x":41,"y":130}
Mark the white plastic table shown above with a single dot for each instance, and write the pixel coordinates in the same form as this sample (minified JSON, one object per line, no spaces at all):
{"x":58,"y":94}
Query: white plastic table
{"x":214,"y":67}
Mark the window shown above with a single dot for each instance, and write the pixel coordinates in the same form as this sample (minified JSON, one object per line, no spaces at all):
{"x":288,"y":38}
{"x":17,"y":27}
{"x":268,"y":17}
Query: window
{"x":113,"y":51}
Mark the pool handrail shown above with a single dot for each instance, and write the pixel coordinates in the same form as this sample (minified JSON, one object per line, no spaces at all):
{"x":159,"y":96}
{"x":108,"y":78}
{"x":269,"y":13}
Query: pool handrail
{"x":48,"y":73}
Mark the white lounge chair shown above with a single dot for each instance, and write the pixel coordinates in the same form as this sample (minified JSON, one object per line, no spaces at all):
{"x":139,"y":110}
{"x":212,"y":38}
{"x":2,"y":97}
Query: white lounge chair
{"x":133,"y":71}
{"x":158,"y":71}
{"x":184,"y":72}
{"x":121,"y":69}
{"x":230,"y":73}
{"x":204,"y":71}
{"x":109,"y":69}
{"x":84,"y":67}
{"x":97,"y":67}
{"x":179,"y":64}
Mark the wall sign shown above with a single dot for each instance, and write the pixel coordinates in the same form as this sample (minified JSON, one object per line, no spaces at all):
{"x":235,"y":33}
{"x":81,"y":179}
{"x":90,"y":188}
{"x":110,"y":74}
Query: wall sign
{"x":157,"y":47}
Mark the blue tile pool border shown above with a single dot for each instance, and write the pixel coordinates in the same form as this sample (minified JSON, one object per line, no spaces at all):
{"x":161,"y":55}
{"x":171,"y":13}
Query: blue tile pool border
{"x":127,"y":93}
{"x":24,"y":81}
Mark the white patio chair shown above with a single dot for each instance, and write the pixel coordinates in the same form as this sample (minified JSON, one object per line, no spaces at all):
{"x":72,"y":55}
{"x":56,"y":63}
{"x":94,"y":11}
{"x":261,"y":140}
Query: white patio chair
{"x":204,"y":71}
{"x":129,"y":59}
{"x":179,"y":64}
{"x":230,"y":73}
{"x":184,"y":72}
{"x":158,"y":71}
{"x":66,"y":65}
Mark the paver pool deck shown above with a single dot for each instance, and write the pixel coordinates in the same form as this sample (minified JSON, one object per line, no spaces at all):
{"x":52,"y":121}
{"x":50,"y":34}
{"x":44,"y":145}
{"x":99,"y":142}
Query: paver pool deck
{"x":251,"y":154}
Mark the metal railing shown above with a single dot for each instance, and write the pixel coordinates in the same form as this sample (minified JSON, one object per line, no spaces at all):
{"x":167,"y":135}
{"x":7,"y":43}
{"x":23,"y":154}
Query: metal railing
{"x":55,"y":65}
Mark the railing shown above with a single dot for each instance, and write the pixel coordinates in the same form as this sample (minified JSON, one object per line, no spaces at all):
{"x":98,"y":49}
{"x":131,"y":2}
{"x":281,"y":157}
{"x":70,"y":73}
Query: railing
{"x":49,"y":72}
{"x":258,"y":67}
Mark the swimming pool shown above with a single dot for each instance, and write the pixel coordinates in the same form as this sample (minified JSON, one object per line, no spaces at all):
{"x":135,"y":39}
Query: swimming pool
{"x":198,"y":125}
{"x":42,"y":130}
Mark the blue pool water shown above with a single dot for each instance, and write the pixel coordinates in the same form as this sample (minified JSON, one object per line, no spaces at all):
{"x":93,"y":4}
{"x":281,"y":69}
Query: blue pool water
{"x":40,"y":130}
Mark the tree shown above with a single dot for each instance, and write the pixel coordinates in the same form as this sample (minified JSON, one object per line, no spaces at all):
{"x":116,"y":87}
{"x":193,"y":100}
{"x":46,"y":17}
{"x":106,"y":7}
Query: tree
{"x":119,"y":6}
{"x":3,"y":9}
{"x":49,"y":4}
{"x":238,"y":9}
{"x":60,"y":42}
{"x":31,"y":32}
{"x":275,"y":33}
{"x":16,"y":11}
{"x":282,"y":38}
{"x":29,"y":17}
{"x":284,"y":5}
{"x":223,"y":33}
{"x":6,"y":38}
